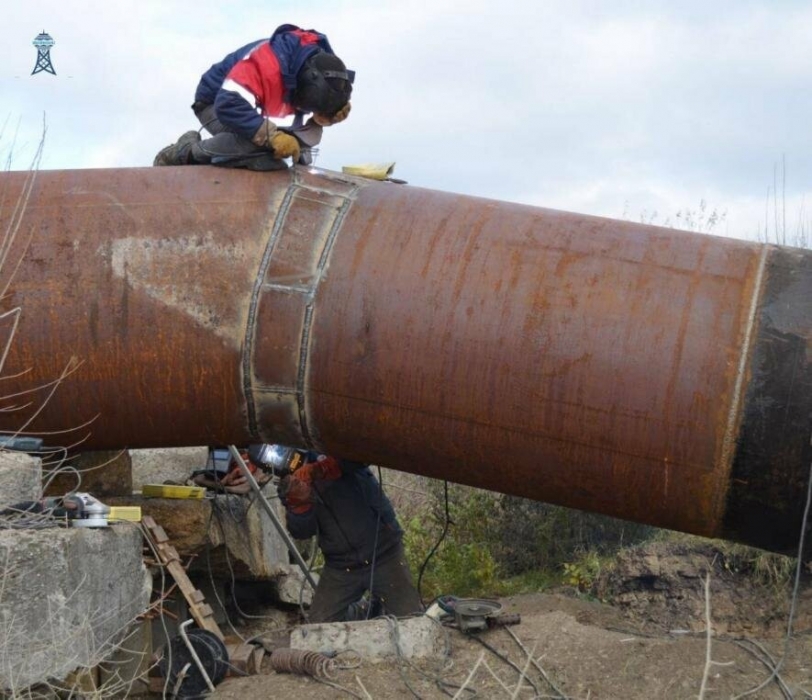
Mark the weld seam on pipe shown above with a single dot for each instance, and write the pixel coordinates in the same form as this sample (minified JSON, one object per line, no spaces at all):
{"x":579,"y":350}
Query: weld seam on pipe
{"x":728,"y":440}
{"x":304,"y":347}
{"x":289,"y":289}
{"x":250,"y":328}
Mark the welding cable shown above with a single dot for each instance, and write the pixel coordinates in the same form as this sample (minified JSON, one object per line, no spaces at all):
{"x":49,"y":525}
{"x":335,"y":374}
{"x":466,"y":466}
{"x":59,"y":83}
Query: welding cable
{"x":794,"y":599}
{"x":436,"y":546}
{"x":498,"y":654}
{"x":62,"y":469}
{"x":147,"y":537}
{"x":558,"y":694}
{"x":12,"y":518}
{"x":230,"y":566}
{"x":436,"y":678}
{"x":375,"y":545}
{"x":393,"y":622}
{"x":220,"y":602}
{"x":758,"y":652}
{"x":314,"y":552}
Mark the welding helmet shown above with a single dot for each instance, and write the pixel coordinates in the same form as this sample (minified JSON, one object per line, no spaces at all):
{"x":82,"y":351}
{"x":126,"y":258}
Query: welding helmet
{"x":276,"y":458}
{"x":323,"y":85}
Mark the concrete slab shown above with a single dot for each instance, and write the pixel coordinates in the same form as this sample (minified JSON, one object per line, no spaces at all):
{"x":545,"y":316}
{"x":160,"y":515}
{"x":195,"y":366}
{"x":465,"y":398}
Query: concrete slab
{"x":375,"y":640}
{"x":20,"y":478}
{"x":67,"y":597}
{"x":156,"y":466}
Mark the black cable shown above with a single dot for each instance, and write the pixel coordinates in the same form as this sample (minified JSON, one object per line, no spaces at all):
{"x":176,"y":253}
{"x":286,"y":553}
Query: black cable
{"x":504,"y":658}
{"x":436,"y":546}
{"x":794,"y":598}
{"x":375,"y":544}
{"x":211,"y":573}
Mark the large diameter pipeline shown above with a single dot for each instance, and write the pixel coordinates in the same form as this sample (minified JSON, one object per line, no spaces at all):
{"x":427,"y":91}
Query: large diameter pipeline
{"x":655,"y":375}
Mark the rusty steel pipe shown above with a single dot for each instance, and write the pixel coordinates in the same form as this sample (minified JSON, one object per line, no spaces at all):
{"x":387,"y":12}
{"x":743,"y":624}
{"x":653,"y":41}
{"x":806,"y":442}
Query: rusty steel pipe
{"x":646,"y":373}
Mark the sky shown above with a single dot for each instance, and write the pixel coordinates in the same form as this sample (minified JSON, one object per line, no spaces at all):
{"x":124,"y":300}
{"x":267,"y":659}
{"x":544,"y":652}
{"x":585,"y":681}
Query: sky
{"x":659,"y":111}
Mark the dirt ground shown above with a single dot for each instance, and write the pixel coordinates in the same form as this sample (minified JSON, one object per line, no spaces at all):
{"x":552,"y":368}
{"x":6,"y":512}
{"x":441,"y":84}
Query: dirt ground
{"x":644,"y":639}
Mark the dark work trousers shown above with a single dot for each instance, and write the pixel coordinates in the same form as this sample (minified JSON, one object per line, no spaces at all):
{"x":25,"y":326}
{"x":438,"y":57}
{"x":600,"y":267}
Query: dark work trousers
{"x":392,"y":583}
{"x":226,"y":147}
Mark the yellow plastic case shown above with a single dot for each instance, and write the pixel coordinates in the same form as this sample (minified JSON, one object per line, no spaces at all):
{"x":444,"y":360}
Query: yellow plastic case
{"x":170,"y":491}
{"x":131,"y":514}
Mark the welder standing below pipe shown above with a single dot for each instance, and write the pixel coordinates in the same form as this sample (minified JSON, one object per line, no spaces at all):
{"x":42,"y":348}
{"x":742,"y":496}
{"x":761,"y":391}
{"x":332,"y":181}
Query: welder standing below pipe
{"x":343,"y":504}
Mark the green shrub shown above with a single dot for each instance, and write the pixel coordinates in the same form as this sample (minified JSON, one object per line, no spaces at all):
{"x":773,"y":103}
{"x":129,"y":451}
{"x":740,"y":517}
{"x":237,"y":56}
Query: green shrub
{"x":532,"y":535}
{"x":464,"y":569}
{"x":499,"y":545}
{"x":583,"y":571}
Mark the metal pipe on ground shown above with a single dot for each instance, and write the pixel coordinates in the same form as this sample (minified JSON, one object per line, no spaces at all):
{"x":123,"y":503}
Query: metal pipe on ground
{"x":651,"y":374}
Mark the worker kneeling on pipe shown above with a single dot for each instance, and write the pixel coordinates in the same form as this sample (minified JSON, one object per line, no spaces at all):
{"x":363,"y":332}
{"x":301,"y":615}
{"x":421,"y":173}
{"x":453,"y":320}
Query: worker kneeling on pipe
{"x":294,"y":73}
{"x":343,"y":504}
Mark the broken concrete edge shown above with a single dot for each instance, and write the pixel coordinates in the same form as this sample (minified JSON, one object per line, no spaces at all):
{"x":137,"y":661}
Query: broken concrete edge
{"x":20,"y":478}
{"x":68,"y":599}
{"x":290,"y":585}
{"x":381,"y":639}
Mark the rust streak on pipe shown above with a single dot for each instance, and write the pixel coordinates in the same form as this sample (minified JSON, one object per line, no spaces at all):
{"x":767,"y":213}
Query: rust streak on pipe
{"x":651,"y":374}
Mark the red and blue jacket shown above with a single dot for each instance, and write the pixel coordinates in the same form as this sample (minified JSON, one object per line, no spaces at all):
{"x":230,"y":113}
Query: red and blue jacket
{"x":258,"y":79}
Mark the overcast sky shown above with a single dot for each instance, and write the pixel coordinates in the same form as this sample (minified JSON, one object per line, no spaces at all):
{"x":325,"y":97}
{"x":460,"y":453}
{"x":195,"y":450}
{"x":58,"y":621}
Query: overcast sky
{"x":619,"y":109}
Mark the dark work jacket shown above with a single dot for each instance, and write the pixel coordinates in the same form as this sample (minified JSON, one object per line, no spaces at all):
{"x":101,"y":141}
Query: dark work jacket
{"x":345,"y":515}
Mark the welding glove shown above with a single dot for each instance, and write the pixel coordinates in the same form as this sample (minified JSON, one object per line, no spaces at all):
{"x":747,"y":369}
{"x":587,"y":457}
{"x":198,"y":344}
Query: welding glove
{"x":296,"y":494}
{"x":339,"y":116}
{"x":323,"y":469}
{"x":283,"y":145}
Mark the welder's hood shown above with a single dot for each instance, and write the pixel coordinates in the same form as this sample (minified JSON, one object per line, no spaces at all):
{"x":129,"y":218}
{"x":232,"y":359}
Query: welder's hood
{"x":323,"y":85}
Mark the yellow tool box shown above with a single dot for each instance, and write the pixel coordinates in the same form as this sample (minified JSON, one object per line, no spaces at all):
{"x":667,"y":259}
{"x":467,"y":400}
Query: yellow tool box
{"x":171,"y":491}
{"x":131,"y":514}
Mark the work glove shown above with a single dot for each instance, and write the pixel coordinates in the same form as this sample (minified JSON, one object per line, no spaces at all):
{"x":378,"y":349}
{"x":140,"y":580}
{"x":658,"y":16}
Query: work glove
{"x":296,"y":493}
{"x":283,"y":145}
{"x":339,"y":116}
{"x":323,"y":469}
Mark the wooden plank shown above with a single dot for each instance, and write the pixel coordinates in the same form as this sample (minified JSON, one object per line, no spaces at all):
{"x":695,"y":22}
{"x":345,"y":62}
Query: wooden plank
{"x":200,"y":611}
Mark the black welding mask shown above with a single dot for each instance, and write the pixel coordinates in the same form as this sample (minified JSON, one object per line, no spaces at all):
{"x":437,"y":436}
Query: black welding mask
{"x":323,"y":85}
{"x":279,"y":459}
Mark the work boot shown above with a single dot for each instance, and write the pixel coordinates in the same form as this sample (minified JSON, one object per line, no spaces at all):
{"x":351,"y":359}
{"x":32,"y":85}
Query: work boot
{"x":178,"y":152}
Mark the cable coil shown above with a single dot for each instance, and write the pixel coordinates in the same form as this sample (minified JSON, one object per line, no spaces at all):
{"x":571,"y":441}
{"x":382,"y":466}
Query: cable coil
{"x":310,"y":663}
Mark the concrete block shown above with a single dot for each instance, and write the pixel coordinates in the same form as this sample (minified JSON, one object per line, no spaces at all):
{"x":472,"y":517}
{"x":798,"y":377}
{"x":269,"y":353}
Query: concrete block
{"x":67,"y":598}
{"x":158,"y":466}
{"x":375,"y":640}
{"x":241,"y":533}
{"x":128,"y":667}
{"x":229,"y":533}
{"x":290,"y":586}
{"x":20,"y":478}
